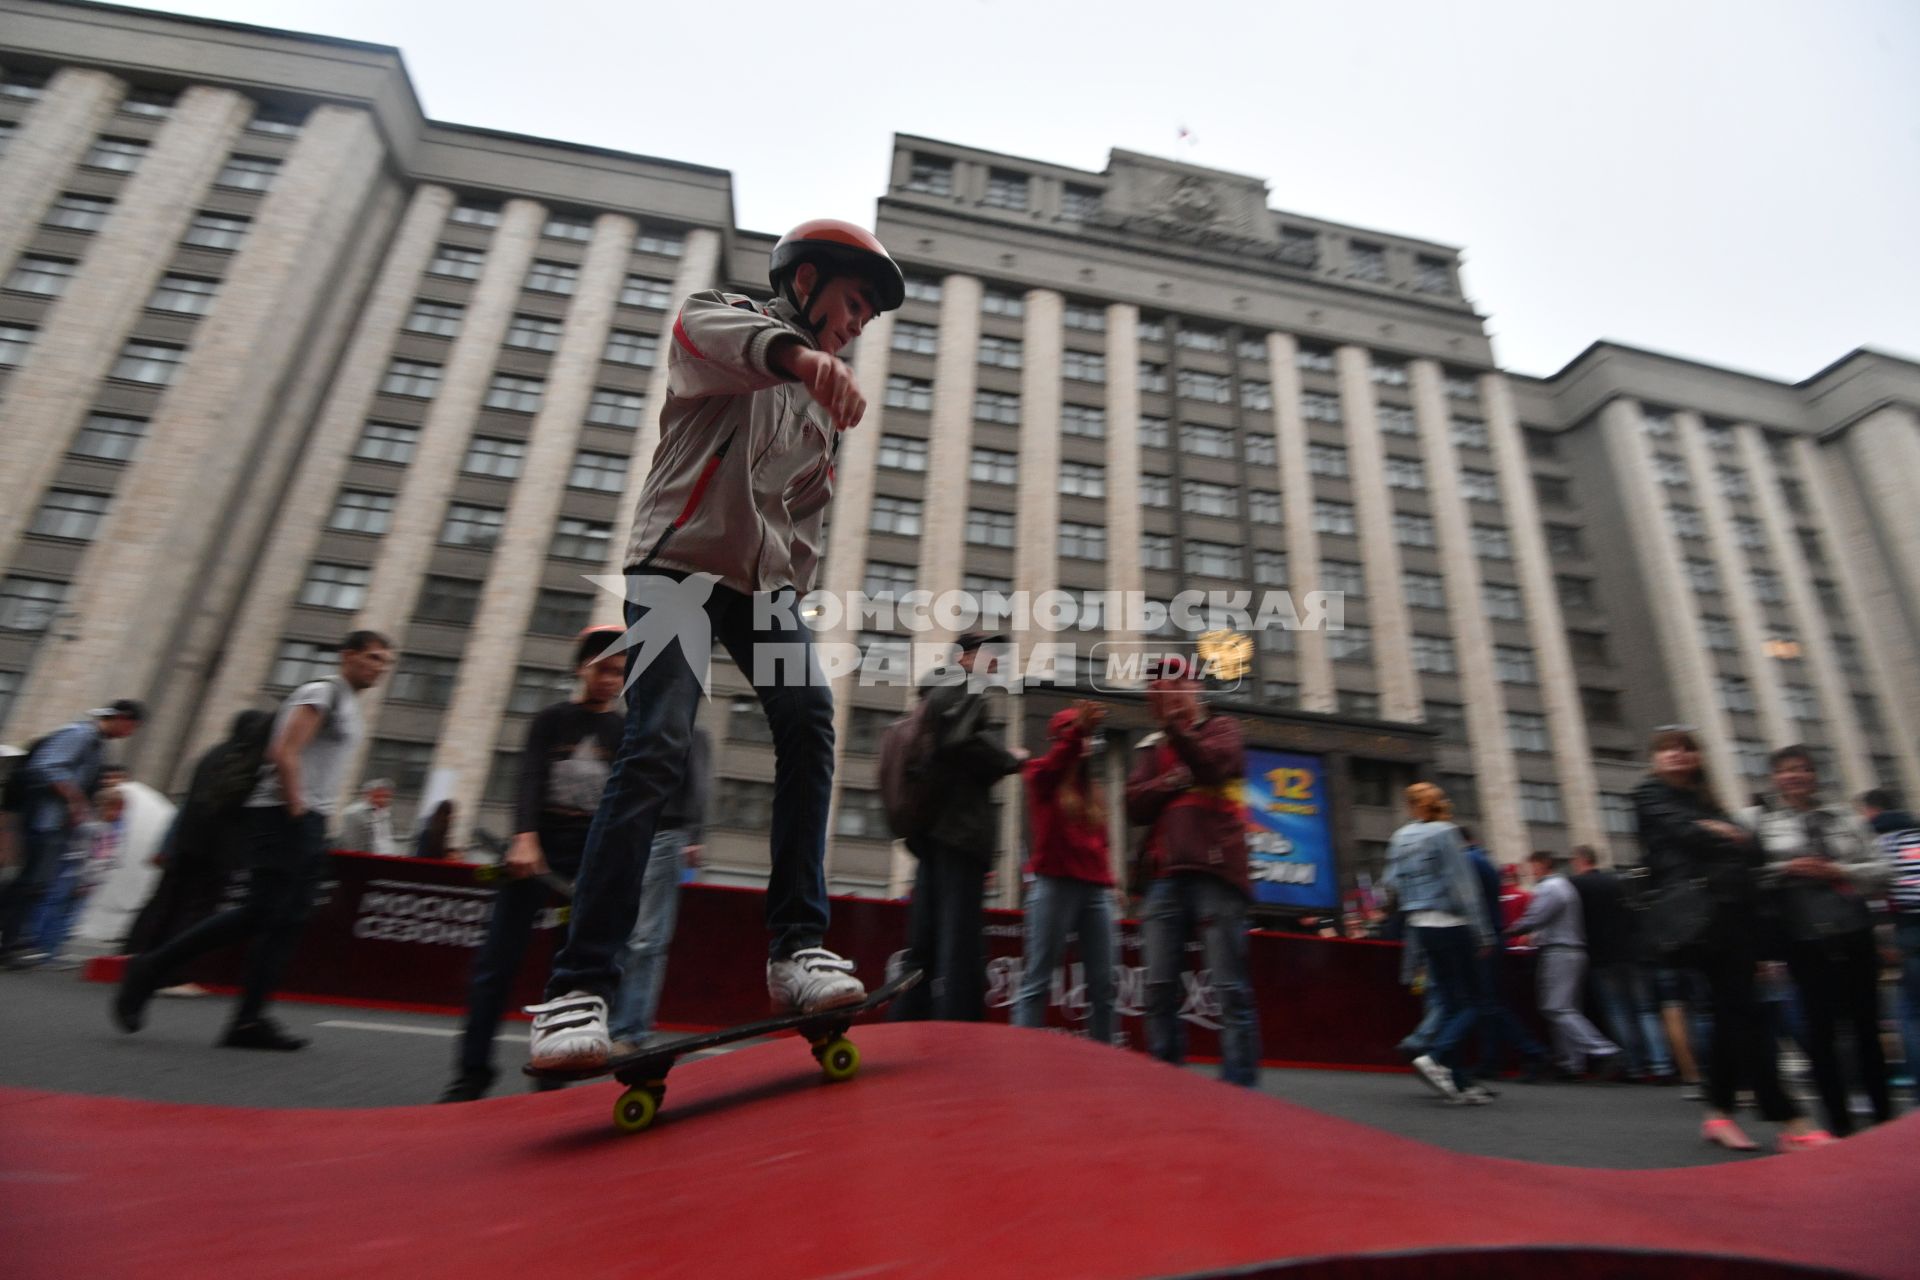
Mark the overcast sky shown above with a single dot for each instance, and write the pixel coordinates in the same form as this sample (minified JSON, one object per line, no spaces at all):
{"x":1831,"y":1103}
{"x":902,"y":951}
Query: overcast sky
{"x":1737,"y":181}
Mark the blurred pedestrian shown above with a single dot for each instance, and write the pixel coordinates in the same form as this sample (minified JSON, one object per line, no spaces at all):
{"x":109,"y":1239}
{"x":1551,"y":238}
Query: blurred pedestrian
{"x":1897,"y":834}
{"x":366,"y":825}
{"x":1621,"y":992}
{"x":89,"y":859}
{"x":1554,"y":921}
{"x":676,"y":842}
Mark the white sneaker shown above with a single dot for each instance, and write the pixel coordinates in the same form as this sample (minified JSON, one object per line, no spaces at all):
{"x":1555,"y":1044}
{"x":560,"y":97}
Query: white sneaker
{"x":812,"y":980}
{"x":1437,"y":1077}
{"x":570,"y":1031}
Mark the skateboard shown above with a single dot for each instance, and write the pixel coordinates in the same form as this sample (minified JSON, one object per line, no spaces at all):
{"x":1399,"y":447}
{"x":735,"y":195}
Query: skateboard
{"x":644,"y":1070}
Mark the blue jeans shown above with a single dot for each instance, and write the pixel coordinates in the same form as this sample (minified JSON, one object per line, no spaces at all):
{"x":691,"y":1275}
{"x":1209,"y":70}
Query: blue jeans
{"x":59,"y":907}
{"x":1906,"y":931}
{"x":41,"y":852}
{"x":1627,"y":1008}
{"x":1179,"y":907}
{"x":1060,"y":905}
{"x":1455,"y":977}
{"x":516,"y":908}
{"x":943,"y":935}
{"x":1499,"y":1025}
{"x":662,"y":699}
{"x":644,"y":970}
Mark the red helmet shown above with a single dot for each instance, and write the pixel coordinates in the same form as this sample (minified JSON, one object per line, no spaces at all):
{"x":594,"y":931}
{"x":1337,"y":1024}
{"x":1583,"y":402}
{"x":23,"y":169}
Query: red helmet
{"x":839,"y":248}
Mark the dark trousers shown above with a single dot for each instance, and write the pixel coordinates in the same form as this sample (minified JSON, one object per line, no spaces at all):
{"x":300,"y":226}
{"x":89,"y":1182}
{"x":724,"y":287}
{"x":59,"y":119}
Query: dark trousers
{"x":663,"y":694}
{"x":285,"y":856}
{"x":1839,"y":982}
{"x":40,"y":853}
{"x":1499,"y":1026}
{"x":1741,"y":1050}
{"x":943,"y":936}
{"x":516,"y":907}
{"x":1455,"y":976}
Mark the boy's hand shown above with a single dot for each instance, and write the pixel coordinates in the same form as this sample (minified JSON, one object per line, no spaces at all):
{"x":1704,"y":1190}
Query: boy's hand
{"x":829,"y":382}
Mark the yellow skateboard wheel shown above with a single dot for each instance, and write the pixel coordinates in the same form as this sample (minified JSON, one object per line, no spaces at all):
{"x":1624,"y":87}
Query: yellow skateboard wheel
{"x":840,"y":1060}
{"x":635,"y":1110}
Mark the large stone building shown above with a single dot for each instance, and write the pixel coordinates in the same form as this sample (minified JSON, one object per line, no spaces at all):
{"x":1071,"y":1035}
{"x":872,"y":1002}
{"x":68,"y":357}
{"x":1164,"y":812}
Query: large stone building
{"x":279,"y":357}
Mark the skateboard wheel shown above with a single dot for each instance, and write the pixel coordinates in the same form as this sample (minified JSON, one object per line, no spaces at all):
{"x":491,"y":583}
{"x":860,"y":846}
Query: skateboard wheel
{"x":636,"y":1109}
{"x":840,"y":1060}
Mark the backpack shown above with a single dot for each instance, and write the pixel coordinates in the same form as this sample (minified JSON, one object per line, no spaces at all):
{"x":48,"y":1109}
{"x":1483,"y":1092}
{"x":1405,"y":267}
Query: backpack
{"x":13,"y":795}
{"x":236,"y":767}
{"x":907,"y":790}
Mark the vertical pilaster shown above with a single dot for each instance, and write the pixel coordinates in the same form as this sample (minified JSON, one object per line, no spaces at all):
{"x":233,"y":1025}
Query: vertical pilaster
{"x":1317,"y":691}
{"x":52,"y":139}
{"x":1124,"y":573}
{"x":1379,"y":549}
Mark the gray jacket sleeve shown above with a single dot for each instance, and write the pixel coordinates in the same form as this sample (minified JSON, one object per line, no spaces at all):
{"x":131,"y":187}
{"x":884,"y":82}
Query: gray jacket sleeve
{"x":720,"y":349}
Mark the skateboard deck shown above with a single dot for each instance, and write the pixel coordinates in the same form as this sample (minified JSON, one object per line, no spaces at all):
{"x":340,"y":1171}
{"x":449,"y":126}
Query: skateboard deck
{"x":644,"y":1070}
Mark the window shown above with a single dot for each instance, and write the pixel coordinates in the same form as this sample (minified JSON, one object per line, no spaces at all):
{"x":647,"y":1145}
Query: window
{"x":335,"y":586}
{"x":1801,"y":702}
{"x":1269,"y":567}
{"x":109,"y":437}
{"x":1085,"y":317}
{"x":537,"y":688}
{"x":560,"y":613}
{"x":1588,"y":646}
{"x":1255,"y":394}
{"x":1206,"y":442}
{"x":1686,"y":521}
{"x":895,"y":515}
{"x":921,"y":289}
{"x":472,"y":526}
{"x":1490,"y":542}
{"x":1083,"y":541}
{"x":1352,"y":643}
{"x":1752,"y":757}
{"x":248,"y":173}
{"x":1565,"y":540}
{"x":424,"y":678}
{"x":221,"y":231}
{"x":627,"y":347}
{"x":1469,"y":433}
{"x":1200,"y":339}
{"x":22,"y":86}
{"x":1084,"y":366}
{"x":1866,"y":709}
{"x":1540,"y":444}
{"x":1449,"y":719}
{"x":1405,"y":473}
{"x":1552,"y":490}
{"x":1367,"y":261}
{"x":1430,"y":275}
{"x":1735,"y":693}
{"x":1083,"y":480}
{"x":1702,"y":576}
{"x":406,"y":763}
{"x":930,"y":175}
{"x":1669,"y":469}
{"x":1077,"y":203}
{"x":279,"y":124}
{"x":1423,"y":590}
{"x":1212,"y":387}
{"x":1718,"y":634}
{"x":1156,"y":491}
{"x":994,"y":466}
{"x":15,"y":341}
{"x":1514,"y":665}
{"x":1363,"y":706}
{"x":476,"y":213}
{"x":1766,"y":586}
{"x":1318,"y":406}
{"x":533,"y":333}
{"x":555,"y":277}
{"x":1733,"y":482}
{"x":119,"y":155}
{"x":989,"y":528}
{"x":917,"y":339}
{"x":1156,"y":551}
{"x":616,"y":408}
{"x":1719,"y":435}
{"x":1526,"y":731}
{"x":861,"y":816}
{"x":1153,"y":377}
{"x":1281,"y":693}
{"x":1006,"y":189}
{"x":515,"y":395}
{"x":1479,"y":486}
{"x":598,"y":472}
{"x":494,"y":456}
{"x":1656,"y":421}
{"x":660,"y":242}
{"x":999,"y":353}
{"x":1260,"y":450}
{"x":885,"y":578}
{"x":577,"y":539}
{"x":1263,"y":506}
{"x":1387,"y":373}
{"x":1411,"y":529}
{"x":1794,"y":493}
{"x":411,"y":378}
{"x":1501,"y":601}
{"x":909,"y":393}
{"x":1150,"y":330}
{"x":453,"y":601}
{"x":1312,"y":359}
{"x":1154,"y":432}
{"x":1212,"y":559}
{"x":567,"y":226}
{"x":72,"y":212}
{"x":903,"y":453}
{"x":1433,"y":655}
{"x":1396,"y":420}
{"x":301,"y":662}
{"x":1343,"y":576}
{"x":1083,"y":420}
{"x":1333,"y":517}
{"x":1575,"y":593}
{"x":739,"y":803}
{"x":1810,"y":547}
{"x":988,"y":406}
{"x":1540,"y":802}
{"x":1203,"y":498}
{"x":460,"y":264}
{"x":998,"y":302}
{"x":438,"y":319}
{"x":70,"y":513}
{"x":1618,"y":813}
{"x":1327,"y":460}
{"x":30,"y":605}
{"x":1252,"y":348}
{"x":46,"y":277}
{"x":1748,"y":533}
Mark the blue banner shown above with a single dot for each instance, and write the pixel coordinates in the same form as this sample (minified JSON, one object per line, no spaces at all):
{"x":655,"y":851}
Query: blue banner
{"x":1289,"y":836}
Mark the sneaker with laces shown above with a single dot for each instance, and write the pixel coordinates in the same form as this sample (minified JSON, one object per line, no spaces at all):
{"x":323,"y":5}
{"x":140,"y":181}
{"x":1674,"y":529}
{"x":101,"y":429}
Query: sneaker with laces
{"x":570,"y":1032}
{"x":811,"y":980}
{"x":1473,"y":1096}
{"x":1437,"y":1077}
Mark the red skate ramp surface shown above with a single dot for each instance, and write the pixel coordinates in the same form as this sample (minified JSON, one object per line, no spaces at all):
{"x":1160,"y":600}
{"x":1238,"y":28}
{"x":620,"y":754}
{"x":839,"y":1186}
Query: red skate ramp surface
{"x":964,"y":1151}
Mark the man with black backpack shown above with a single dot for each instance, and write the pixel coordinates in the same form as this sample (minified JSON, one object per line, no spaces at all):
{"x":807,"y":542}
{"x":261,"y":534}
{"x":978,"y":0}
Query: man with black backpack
{"x":955,"y":842}
{"x":314,"y":735}
{"x":49,"y":794}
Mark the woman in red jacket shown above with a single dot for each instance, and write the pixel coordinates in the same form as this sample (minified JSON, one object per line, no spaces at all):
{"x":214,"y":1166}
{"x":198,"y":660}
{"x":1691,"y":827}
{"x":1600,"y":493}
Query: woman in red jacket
{"x":1072,"y":874}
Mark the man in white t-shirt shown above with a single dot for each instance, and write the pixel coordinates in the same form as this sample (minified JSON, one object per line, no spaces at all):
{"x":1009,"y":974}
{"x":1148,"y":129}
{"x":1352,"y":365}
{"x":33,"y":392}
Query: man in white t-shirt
{"x":314,"y":736}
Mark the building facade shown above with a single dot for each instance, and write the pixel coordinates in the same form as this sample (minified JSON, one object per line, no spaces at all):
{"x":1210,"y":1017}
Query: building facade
{"x":280,"y":357}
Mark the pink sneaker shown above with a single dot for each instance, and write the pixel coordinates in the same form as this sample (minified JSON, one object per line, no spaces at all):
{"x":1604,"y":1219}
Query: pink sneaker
{"x":1806,"y":1141}
{"x":1725,"y":1133}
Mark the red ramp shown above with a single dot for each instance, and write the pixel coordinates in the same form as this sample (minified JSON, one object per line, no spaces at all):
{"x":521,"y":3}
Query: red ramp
{"x":960,"y":1151}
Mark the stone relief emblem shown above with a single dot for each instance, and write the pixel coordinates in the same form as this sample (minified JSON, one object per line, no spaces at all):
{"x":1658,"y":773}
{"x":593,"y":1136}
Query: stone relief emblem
{"x":1189,"y":199}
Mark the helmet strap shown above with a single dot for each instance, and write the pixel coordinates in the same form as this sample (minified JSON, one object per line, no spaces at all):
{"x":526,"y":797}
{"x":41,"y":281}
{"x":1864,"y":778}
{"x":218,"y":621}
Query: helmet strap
{"x":823,"y":275}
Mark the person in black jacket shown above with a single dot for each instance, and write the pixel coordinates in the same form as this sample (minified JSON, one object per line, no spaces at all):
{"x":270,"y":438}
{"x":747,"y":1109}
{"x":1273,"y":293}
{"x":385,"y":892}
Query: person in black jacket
{"x":959,"y":846}
{"x":1689,"y":839}
{"x":1624,"y":997}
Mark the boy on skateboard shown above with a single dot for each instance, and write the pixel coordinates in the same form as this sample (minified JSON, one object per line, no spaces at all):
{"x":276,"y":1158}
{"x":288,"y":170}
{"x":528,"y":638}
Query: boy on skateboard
{"x":731,"y":518}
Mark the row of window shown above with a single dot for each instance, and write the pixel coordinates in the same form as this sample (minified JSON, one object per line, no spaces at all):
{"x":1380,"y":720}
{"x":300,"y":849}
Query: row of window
{"x":544,"y":276}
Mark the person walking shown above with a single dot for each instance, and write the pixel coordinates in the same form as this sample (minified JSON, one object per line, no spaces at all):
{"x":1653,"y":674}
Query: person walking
{"x":1621,"y":991}
{"x":1897,"y":836}
{"x":1498,"y":1025}
{"x":1553,"y":919}
{"x":366,"y":826}
{"x":315,"y":734}
{"x":643,"y":971}
{"x":1072,"y":872}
